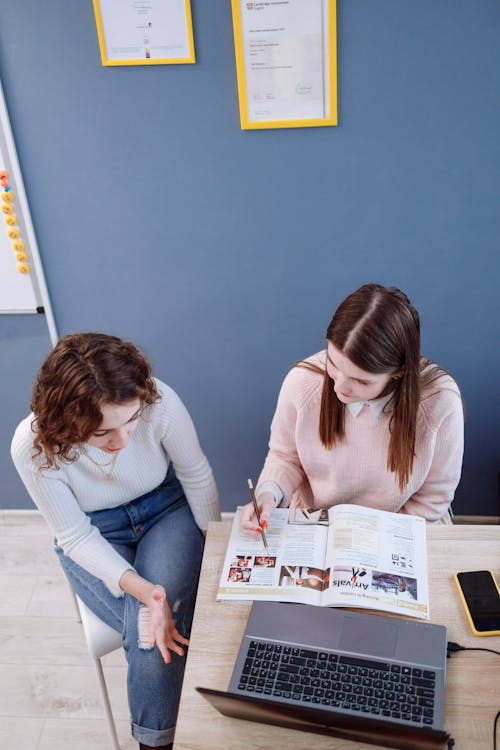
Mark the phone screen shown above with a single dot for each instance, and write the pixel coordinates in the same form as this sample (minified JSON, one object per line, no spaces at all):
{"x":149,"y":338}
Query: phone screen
{"x":482,"y":598}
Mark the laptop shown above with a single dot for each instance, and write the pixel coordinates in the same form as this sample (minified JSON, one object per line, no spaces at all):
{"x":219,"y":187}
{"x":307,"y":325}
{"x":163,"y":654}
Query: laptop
{"x":354,"y":675}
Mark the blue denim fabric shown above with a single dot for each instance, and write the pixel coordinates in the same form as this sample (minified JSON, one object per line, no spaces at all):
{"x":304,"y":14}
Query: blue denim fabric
{"x":157,"y":534}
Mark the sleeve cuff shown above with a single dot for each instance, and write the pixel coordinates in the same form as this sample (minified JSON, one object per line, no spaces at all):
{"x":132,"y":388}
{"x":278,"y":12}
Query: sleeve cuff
{"x":113,"y":584}
{"x":273,"y":488}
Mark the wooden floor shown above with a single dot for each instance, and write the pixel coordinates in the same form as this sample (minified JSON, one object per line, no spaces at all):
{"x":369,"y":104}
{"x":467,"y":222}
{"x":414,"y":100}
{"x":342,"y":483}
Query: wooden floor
{"x":49,"y":697}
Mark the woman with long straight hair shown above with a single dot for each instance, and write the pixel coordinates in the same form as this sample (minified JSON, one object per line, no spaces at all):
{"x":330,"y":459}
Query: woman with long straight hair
{"x":110,"y":457}
{"x":367,"y":420}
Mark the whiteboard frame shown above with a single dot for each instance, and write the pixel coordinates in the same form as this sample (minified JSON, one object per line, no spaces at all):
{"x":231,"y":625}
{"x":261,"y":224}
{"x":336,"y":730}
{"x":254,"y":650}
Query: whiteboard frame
{"x":39,"y":284}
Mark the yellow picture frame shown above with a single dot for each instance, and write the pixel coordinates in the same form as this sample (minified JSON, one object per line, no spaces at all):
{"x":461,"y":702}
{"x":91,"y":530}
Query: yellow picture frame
{"x":123,"y":32}
{"x":261,"y":51}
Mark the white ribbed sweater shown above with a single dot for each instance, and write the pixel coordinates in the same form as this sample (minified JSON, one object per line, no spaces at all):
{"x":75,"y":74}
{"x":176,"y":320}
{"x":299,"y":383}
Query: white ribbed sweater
{"x":164,"y":433}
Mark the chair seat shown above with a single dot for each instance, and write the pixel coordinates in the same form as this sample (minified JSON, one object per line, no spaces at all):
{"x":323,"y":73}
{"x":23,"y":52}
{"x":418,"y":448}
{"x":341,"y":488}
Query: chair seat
{"x":100,"y":638}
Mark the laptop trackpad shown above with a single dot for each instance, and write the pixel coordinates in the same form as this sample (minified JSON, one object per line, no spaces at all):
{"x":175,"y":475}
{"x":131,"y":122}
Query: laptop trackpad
{"x":381,"y":642}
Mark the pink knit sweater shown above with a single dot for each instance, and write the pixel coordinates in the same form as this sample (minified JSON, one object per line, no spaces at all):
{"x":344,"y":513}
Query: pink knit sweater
{"x":355,"y":471}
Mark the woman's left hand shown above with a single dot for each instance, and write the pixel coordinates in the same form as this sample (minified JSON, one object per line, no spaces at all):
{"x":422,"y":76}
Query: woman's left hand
{"x":162,"y":629}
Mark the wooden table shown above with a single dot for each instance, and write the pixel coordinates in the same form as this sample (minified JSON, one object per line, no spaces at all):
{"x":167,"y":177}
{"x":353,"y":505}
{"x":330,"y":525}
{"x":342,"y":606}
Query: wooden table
{"x":473,"y":678}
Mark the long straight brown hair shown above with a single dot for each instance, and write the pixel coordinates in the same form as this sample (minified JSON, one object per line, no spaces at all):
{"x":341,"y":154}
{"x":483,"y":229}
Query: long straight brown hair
{"x":378,"y":329}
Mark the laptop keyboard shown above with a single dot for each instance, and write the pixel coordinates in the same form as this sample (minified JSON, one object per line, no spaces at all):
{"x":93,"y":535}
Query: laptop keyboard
{"x":375,"y":688}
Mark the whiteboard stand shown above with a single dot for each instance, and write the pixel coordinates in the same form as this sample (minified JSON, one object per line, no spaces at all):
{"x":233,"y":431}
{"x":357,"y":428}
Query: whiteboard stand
{"x":20,"y":293}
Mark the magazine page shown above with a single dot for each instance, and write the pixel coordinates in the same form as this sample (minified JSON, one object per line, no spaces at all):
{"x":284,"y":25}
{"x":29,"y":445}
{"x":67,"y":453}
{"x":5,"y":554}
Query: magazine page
{"x":377,"y":560}
{"x":292,"y":570}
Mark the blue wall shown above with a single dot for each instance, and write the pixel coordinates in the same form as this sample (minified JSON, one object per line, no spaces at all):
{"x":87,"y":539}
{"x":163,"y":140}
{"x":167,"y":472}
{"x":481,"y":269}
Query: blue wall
{"x":223,"y":253}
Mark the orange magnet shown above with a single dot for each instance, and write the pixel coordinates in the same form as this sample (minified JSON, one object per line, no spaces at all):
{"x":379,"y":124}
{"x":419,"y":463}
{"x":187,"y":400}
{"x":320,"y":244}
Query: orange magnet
{"x":4,"y":178}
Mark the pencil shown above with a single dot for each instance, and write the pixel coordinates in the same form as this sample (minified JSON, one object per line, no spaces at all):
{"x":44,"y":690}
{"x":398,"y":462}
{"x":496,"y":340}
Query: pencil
{"x":257,"y":512}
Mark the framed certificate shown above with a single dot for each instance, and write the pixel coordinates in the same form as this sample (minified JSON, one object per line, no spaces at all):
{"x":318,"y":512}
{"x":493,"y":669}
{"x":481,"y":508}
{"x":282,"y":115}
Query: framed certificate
{"x":286,"y":63}
{"x":144,"y":32}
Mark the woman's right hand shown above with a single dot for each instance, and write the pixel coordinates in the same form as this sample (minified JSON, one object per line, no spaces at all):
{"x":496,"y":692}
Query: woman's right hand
{"x":161,"y":627}
{"x":248,"y":520}
{"x":156,"y":622}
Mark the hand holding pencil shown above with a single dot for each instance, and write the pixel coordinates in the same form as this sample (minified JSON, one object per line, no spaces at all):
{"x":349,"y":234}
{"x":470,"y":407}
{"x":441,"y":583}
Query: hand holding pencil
{"x":262,"y":522}
{"x":255,"y":515}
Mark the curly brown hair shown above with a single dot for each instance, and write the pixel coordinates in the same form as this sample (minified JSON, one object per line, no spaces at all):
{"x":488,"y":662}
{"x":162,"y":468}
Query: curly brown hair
{"x":83,"y":372}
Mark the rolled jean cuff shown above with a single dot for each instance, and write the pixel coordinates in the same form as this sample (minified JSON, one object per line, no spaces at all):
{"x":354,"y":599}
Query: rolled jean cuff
{"x":153,"y":737}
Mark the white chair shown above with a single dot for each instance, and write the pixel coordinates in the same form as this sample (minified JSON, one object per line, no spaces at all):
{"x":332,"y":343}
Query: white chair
{"x":100,"y":640}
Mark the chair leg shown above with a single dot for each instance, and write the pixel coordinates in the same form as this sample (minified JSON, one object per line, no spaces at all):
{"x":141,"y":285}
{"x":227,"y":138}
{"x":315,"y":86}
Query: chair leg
{"x":74,"y":600}
{"x":107,"y":705}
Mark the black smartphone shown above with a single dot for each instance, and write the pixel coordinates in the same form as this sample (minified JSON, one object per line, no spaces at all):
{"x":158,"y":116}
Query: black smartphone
{"x":481,"y":598}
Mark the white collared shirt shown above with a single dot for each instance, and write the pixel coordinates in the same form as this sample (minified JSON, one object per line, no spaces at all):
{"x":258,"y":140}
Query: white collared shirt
{"x":376,"y":405}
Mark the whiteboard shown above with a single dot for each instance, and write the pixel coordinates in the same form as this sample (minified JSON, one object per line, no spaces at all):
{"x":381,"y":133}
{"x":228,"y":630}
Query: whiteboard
{"x":22,"y":282}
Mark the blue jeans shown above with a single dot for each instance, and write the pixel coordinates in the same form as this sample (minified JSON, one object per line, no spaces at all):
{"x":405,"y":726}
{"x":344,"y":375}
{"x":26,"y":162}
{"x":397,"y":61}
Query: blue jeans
{"x":157,"y":535}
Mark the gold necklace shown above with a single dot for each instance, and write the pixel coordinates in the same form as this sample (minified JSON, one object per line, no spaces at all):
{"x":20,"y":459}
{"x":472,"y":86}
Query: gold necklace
{"x":108,"y":475}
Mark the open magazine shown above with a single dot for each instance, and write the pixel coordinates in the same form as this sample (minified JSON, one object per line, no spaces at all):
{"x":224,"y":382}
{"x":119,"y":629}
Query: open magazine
{"x":345,"y":556}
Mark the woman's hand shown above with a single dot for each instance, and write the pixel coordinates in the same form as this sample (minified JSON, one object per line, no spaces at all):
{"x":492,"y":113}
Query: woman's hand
{"x":248,"y":519}
{"x":162,"y":630}
{"x":156,"y":623}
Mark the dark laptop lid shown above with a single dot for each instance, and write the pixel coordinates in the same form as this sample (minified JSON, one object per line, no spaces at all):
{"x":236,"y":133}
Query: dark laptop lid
{"x":319,"y":721}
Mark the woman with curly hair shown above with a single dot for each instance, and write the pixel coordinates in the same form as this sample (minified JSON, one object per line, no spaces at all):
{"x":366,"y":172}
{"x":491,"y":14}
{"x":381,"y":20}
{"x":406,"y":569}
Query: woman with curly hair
{"x":367,"y":420}
{"x":111,"y":458}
